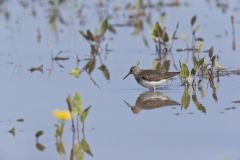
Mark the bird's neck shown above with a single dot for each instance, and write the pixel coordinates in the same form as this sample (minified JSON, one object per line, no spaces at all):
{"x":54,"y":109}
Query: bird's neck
{"x":137,"y":73}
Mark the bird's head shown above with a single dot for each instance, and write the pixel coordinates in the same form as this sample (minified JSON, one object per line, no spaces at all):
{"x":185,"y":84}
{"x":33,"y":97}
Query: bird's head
{"x":133,"y":70}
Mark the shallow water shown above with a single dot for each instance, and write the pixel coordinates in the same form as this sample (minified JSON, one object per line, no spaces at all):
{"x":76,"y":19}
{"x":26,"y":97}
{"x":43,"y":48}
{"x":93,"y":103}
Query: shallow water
{"x":112,"y":130}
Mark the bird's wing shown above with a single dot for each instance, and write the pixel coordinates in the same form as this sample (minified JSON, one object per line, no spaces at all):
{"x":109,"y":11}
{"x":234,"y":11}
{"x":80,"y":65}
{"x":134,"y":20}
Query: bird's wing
{"x":152,"y":76}
{"x":167,"y":75}
{"x":158,"y":76}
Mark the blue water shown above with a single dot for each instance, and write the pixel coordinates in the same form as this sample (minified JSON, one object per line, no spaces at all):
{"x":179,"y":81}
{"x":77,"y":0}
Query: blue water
{"x":113,"y":131}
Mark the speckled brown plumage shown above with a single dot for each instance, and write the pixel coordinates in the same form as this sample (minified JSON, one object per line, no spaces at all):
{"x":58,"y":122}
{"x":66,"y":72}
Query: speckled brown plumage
{"x":154,"y":75}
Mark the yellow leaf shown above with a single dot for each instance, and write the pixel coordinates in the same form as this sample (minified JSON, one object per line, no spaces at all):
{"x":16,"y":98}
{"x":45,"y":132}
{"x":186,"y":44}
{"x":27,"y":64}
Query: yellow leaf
{"x":75,"y":72}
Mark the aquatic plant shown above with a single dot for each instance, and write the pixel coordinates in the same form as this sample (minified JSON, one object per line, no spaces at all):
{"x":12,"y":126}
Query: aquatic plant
{"x":160,"y":37}
{"x":78,"y":116}
{"x":203,"y":68}
{"x":94,"y":41}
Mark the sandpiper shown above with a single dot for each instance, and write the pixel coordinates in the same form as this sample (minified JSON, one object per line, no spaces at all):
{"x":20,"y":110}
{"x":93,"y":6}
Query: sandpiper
{"x":150,"y":78}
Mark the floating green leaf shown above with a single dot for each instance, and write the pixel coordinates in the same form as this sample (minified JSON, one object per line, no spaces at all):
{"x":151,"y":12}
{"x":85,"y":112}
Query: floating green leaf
{"x":166,"y":65}
{"x":156,"y":64}
{"x":193,"y":20}
{"x":40,"y":146}
{"x":198,"y":104}
{"x":88,"y":35}
{"x":165,"y":37}
{"x":184,"y":72}
{"x":77,"y":104}
{"x":185,"y":98}
{"x":59,"y":130}
{"x":157,"y":32}
{"x":112,"y":29}
{"x":197,"y":65}
{"x":139,"y":4}
{"x":77,"y":152}
{"x":69,"y":102}
{"x":193,"y":72}
{"x":38,"y":134}
{"x":213,"y":59}
{"x":103,"y":28}
{"x":200,"y":88}
{"x":89,"y":67}
{"x":60,"y":147}
{"x":84,"y":114}
{"x":105,"y":71}
{"x":210,"y":52}
{"x":75,"y":72}
{"x":94,"y":49}
{"x":201,"y":62}
{"x":86,"y":147}
{"x":203,"y":67}
{"x":214,"y":89}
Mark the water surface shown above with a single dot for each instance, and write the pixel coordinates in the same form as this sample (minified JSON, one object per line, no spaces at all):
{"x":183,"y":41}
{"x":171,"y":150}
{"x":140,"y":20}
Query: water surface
{"x":112,"y":129}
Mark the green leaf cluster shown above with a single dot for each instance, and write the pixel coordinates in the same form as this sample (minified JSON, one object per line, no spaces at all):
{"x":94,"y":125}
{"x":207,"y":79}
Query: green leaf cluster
{"x":75,"y":104}
{"x":184,"y":72}
{"x":89,"y":36}
{"x":159,"y":34}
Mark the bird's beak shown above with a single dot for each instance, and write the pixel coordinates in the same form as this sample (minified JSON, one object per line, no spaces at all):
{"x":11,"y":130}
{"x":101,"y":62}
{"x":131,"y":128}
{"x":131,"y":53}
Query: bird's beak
{"x":127,"y":75}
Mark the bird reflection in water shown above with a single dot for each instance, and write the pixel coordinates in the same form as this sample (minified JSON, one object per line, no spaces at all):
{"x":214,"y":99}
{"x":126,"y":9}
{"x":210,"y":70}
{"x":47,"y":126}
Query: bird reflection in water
{"x":151,"y":100}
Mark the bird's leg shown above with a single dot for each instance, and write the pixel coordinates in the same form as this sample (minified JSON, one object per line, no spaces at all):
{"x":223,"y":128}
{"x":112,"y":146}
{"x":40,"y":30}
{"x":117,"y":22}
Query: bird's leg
{"x":153,"y":89}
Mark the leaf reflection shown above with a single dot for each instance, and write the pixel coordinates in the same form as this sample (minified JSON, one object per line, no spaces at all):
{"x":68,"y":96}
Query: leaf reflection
{"x":40,"y":147}
{"x":188,"y":95}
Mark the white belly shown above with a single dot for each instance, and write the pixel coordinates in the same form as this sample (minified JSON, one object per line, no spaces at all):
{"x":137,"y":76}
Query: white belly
{"x":151,"y":84}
